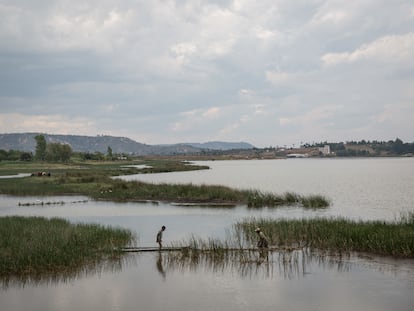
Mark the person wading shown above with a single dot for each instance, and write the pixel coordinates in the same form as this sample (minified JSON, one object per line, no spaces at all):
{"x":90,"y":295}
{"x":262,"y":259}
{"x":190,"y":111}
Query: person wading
{"x":159,"y":236}
{"x":263,"y":241}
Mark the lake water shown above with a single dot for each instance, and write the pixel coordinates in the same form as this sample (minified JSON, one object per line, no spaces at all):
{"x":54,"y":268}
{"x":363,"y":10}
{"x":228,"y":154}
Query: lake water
{"x":358,"y":189}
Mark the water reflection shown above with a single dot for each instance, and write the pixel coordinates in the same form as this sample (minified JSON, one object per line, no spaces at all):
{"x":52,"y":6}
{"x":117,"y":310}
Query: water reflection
{"x":112,"y":264}
{"x":160,"y":266}
{"x":248,"y":263}
{"x":285,"y":264}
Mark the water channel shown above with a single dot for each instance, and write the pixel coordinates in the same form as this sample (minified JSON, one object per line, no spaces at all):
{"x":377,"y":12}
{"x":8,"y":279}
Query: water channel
{"x":299,"y":280}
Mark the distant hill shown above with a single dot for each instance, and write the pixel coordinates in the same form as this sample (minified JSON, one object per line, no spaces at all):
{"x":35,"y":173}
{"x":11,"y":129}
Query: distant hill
{"x":27,"y":142}
{"x":219,"y":145}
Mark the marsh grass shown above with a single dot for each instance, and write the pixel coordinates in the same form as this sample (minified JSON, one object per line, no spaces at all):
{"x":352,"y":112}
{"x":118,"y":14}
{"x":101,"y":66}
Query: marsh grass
{"x":337,"y":234}
{"x":214,"y":194}
{"x":295,"y":244}
{"x":166,"y":166}
{"x":259,"y":199}
{"x":95,"y":180}
{"x":36,"y":245}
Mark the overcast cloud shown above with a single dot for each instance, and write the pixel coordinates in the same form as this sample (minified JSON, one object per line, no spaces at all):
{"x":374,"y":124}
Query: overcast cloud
{"x":269,"y":72}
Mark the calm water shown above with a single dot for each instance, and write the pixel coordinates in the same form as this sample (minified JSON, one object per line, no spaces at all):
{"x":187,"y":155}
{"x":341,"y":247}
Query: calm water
{"x":358,"y":188}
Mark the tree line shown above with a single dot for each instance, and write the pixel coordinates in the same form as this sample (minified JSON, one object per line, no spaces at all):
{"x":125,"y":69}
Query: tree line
{"x":49,"y":152}
{"x":53,"y":152}
{"x":368,"y":148}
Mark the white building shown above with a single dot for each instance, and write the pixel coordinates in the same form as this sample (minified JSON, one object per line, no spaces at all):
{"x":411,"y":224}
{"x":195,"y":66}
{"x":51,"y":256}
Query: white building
{"x":326,"y":150}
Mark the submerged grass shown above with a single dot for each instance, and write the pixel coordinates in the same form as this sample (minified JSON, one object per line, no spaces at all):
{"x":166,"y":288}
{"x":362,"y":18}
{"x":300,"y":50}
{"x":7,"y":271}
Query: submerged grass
{"x":36,"y":245}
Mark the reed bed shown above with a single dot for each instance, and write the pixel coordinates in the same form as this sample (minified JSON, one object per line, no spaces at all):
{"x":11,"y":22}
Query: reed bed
{"x":294,"y":245}
{"x":336,"y":235}
{"x":207,"y":252}
{"x":36,"y":245}
{"x":215,"y":194}
{"x":259,"y":199}
{"x":341,"y":235}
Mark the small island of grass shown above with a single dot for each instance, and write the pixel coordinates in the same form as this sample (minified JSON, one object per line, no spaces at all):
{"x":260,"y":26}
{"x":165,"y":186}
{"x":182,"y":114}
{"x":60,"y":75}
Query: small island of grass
{"x":35,"y":245}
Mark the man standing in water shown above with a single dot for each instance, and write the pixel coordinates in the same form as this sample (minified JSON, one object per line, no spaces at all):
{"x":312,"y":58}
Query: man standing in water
{"x":159,"y":236}
{"x":263,"y":241}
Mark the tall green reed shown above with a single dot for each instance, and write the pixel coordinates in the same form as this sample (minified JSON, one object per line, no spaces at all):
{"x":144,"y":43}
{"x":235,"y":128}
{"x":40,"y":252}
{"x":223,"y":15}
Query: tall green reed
{"x":33,"y":245}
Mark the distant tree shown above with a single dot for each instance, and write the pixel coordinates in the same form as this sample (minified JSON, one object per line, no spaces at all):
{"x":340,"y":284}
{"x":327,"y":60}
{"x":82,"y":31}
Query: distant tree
{"x":11,"y":155}
{"x":398,"y":146}
{"x":335,"y":147}
{"x":26,"y":156}
{"x":3,"y":155}
{"x":15,"y":155}
{"x":65,"y":152}
{"x":56,"y":152}
{"x":109,"y":153}
{"x":40,"y":154}
{"x":97,"y":156}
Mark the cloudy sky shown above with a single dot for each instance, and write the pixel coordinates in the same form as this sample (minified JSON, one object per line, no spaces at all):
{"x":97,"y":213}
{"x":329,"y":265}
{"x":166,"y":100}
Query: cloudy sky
{"x":268,"y":72}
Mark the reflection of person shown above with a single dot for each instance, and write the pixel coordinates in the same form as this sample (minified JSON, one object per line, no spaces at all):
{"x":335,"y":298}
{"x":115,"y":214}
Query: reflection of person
{"x":159,"y":236}
{"x":263,"y":241}
{"x":160,"y":268}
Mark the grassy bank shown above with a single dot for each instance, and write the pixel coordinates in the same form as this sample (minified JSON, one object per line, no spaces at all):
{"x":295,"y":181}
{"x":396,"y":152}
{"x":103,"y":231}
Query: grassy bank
{"x":208,"y":193}
{"x":35,"y":245}
{"x":377,"y":237}
{"x":94,"y":180}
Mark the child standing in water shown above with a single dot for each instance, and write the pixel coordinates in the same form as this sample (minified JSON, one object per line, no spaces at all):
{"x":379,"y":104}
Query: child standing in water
{"x":159,"y":236}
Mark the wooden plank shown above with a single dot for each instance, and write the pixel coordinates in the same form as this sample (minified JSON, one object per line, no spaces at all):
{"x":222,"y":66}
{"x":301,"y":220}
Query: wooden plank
{"x":151,"y":249}
{"x":177,"y":249}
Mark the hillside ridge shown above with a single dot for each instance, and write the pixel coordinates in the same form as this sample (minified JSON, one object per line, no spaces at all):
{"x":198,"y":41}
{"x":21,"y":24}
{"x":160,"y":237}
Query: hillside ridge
{"x":100,"y":143}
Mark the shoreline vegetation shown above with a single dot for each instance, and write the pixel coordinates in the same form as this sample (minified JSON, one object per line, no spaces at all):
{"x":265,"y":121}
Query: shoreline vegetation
{"x":332,"y":235}
{"x":394,"y":239}
{"x":96,"y":181}
{"x":34,"y":246}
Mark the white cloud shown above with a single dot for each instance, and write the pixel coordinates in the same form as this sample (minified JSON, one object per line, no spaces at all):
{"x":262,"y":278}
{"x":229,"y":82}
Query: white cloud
{"x":317,"y":115}
{"x":245,"y":92}
{"x":332,"y":17}
{"x":212,"y":112}
{"x":56,"y":124}
{"x":279,"y":78}
{"x":259,"y":109}
{"x":393,"y":48}
{"x":229,"y":129}
{"x":183,"y":51}
{"x":264,"y":34}
{"x":232,"y":68}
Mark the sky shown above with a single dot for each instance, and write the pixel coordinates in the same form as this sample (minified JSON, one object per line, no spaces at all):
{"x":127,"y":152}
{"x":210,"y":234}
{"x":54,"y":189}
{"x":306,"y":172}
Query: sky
{"x":268,"y":72}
